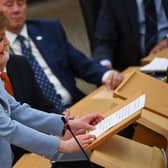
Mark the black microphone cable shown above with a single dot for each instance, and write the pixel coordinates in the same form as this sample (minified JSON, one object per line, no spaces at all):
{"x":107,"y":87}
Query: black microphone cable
{"x":67,"y":126}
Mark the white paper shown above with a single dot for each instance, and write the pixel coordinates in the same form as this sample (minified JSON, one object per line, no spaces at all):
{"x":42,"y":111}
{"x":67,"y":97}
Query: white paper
{"x":119,"y":116}
{"x":157,"y":64}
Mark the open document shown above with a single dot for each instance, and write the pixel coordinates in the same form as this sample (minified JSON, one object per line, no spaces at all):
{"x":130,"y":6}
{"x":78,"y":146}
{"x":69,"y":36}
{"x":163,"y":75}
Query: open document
{"x":156,"y":65}
{"x":119,"y":115}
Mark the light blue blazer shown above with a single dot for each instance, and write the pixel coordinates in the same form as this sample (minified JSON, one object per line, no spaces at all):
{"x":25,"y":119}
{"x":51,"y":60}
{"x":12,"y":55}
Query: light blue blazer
{"x":27,"y":128}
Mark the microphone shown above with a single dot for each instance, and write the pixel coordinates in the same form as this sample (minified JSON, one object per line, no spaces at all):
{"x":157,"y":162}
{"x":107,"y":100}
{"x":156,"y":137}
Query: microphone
{"x":67,"y":126}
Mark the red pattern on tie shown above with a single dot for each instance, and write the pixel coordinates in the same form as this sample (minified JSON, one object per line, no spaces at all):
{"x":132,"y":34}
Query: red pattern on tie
{"x":7,"y":83}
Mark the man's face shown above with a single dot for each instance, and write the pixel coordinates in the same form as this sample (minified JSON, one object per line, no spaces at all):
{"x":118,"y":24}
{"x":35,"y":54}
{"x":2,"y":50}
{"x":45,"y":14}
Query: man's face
{"x":16,"y":11}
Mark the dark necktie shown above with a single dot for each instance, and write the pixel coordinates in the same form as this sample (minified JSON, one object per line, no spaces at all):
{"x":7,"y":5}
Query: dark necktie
{"x":7,"y":83}
{"x":43,"y":81}
{"x":151,"y":33}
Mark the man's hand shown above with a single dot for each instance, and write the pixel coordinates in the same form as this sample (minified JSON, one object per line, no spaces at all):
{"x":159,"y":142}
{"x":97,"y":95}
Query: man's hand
{"x":114,"y":79}
{"x":160,"y":46}
{"x":70,"y":145}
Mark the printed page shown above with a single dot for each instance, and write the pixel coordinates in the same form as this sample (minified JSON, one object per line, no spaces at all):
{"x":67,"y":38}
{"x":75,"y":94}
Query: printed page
{"x":119,"y":116}
{"x":156,"y":65}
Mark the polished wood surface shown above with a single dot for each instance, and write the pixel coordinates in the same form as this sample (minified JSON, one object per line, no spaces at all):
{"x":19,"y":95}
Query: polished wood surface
{"x":101,"y":100}
{"x":152,"y":130}
{"x":154,"y":139}
{"x":119,"y":152}
{"x":32,"y":161}
{"x":156,"y":91}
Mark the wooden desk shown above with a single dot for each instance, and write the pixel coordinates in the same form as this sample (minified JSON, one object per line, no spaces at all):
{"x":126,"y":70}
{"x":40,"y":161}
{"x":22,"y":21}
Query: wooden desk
{"x":152,"y":128}
{"x":32,"y":161}
{"x":156,"y":91}
{"x":163,"y":53}
{"x":115,"y":152}
{"x":119,"y":152}
{"x":101,"y":100}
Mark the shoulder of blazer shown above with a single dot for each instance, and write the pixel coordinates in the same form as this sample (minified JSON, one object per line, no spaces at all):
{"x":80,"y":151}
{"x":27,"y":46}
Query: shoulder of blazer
{"x":41,"y":25}
{"x":50,"y":29}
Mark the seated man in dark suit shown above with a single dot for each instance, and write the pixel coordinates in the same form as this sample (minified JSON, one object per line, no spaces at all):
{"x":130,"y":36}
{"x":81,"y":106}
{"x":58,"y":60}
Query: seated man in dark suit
{"x":129,"y":30}
{"x":45,"y":45}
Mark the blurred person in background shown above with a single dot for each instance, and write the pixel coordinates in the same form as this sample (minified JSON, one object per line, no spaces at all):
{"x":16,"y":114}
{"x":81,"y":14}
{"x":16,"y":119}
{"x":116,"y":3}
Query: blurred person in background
{"x":127,"y":31}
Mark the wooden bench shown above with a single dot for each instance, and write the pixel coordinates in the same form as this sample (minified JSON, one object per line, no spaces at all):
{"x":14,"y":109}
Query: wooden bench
{"x":32,"y":161}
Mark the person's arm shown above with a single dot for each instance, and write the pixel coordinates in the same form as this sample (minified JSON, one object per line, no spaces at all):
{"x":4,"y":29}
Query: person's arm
{"x":80,"y":127}
{"x":18,"y":123}
{"x":92,"y":72}
{"x":23,"y":136}
{"x":78,"y":64}
{"x":36,"y":119}
{"x":49,"y":123}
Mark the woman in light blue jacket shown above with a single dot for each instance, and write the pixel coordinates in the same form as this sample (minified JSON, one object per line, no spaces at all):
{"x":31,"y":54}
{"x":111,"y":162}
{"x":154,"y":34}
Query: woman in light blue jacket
{"x":32,"y":129}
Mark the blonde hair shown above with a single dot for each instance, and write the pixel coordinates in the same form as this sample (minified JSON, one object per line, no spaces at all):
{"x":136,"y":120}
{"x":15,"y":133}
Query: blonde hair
{"x":4,"y":22}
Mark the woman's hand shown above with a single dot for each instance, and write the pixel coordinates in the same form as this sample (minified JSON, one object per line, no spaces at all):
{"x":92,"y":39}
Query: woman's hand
{"x":86,"y":122}
{"x":69,"y":146}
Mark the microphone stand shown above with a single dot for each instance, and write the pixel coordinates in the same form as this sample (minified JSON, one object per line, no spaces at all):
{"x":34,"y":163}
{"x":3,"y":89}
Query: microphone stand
{"x":67,"y":126}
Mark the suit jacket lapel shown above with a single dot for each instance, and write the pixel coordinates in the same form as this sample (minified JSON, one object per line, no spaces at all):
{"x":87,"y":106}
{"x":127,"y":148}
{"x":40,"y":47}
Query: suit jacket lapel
{"x":38,"y":39}
{"x":47,"y":52}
